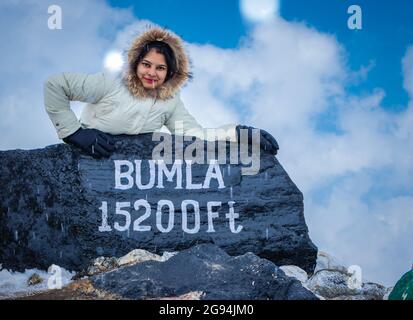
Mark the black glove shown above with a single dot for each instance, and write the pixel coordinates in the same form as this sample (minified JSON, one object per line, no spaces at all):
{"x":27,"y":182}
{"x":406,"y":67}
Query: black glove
{"x":92,"y":141}
{"x":267,"y":141}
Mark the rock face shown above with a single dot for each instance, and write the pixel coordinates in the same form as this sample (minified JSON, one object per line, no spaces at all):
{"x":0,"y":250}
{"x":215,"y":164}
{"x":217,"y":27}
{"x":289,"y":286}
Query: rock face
{"x":204,"y":268}
{"x":58,"y":206}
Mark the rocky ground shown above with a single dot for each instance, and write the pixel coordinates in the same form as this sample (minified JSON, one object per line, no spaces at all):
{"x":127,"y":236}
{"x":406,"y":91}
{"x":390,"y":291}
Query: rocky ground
{"x":207,"y":272}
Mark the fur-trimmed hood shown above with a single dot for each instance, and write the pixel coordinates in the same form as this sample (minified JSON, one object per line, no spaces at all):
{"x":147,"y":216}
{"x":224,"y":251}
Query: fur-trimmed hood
{"x":168,"y":88}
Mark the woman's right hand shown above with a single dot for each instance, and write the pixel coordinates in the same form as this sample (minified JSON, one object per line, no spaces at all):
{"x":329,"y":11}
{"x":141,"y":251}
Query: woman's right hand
{"x":93,"y":142}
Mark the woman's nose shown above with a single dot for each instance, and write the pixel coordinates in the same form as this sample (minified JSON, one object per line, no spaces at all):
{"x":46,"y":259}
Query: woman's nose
{"x":152,"y":72}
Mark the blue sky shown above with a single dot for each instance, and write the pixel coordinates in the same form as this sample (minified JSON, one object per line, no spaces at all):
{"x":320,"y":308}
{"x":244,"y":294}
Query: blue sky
{"x":387,"y":31}
{"x":338,"y":101}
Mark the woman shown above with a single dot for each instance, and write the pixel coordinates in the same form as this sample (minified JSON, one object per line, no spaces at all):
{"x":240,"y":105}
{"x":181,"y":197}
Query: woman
{"x":146,"y":99}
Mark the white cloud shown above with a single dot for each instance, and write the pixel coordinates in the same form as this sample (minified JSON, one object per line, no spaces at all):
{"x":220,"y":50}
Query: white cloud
{"x":408,"y":71}
{"x":34,"y":52}
{"x":374,"y":234}
{"x":286,"y":75}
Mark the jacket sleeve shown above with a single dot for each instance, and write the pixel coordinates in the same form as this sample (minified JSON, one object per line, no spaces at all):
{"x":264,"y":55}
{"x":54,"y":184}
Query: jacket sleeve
{"x":60,"y":89}
{"x":181,"y":122}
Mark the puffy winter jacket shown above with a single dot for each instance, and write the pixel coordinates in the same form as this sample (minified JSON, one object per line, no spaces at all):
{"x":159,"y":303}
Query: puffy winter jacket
{"x":122,"y":105}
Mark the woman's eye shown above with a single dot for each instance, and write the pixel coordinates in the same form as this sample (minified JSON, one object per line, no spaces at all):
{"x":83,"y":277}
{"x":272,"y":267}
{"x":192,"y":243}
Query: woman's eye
{"x":145,"y":64}
{"x":161,"y":68}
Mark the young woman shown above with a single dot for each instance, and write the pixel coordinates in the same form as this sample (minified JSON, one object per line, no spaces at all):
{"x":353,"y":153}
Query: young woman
{"x":143,"y":101}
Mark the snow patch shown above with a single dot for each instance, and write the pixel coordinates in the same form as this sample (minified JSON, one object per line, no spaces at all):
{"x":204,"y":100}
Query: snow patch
{"x":15,"y":284}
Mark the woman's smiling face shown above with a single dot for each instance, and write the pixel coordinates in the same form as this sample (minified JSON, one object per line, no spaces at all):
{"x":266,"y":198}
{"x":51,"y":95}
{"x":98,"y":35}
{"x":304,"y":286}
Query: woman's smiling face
{"x":152,"y":70}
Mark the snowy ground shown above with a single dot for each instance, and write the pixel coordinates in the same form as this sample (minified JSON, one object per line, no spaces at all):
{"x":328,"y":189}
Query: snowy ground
{"x":15,"y":284}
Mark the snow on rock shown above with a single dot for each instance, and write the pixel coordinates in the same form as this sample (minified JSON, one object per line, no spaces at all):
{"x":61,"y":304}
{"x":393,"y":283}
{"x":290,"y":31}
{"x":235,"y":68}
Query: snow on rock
{"x":295,"y":272}
{"x":105,"y":264}
{"x":338,"y":285}
{"x":139,"y":255}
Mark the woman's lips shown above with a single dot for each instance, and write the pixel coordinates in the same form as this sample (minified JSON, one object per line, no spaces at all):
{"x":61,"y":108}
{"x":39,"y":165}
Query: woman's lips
{"x":149,"y":80}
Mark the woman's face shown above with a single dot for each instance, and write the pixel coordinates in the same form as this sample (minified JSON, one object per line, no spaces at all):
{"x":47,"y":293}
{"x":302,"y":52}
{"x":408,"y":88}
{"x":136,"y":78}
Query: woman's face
{"x":152,"y":70}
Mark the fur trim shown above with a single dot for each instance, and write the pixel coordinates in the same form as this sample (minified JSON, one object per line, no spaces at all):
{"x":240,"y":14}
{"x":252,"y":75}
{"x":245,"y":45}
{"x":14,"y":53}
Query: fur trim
{"x":168,"y":88}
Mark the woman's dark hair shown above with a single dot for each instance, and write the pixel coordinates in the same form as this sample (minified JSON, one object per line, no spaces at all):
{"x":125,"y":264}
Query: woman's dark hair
{"x":160,"y":47}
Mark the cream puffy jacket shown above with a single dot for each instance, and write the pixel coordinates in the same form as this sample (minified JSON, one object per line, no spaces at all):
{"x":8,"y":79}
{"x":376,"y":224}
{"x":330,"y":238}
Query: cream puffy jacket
{"x":121,"y":105}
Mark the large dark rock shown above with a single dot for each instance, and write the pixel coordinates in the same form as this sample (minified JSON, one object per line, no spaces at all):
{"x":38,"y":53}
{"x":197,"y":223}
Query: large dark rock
{"x":51,"y":209}
{"x":206,"y":269}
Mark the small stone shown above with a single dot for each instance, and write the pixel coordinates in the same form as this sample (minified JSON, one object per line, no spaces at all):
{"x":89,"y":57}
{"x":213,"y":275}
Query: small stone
{"x":334,"y":285}
{"x":34,"y":279}
{"x":102,"y":264}
{"x":295,"y":272}
{"x":326,"y":261}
